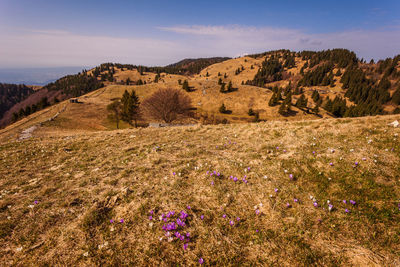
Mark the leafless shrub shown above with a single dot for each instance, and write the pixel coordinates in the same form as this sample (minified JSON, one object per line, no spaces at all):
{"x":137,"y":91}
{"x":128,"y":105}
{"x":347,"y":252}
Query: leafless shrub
{"x":168,"y":105}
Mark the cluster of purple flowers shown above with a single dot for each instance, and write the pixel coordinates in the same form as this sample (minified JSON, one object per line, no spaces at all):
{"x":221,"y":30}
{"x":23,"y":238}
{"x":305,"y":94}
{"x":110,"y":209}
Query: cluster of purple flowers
{"x":235,"y":179}
{"x":175,"y":224}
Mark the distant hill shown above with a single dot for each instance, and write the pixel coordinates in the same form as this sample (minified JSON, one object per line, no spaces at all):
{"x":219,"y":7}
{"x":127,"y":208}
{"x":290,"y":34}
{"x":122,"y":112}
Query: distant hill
{"x":274,"y":85}
{"x":194,"y":66}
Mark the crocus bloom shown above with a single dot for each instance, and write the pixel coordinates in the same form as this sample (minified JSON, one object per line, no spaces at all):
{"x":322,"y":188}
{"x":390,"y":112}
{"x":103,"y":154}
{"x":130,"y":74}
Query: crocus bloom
{"x":231,"y":223}
{"x":257,"y":211}
{"x":276,"y":189}
{"x":287,"y":205}
{"x":356,"y":163}
{"x":224,"y":216}
{"x":121,"y":221}
{"x":291,"y":176}
{"x":35,"y":202}
{"x":151,"y":212}
{"x":237,"y":219}
{"x":201,"y":261}
{"x":256,"y":230}
{"x":346,"y":210}
{"x":296,"y":200}
{"x":111,"y":221}
{"x":352,"y":202}
{"x":345,"y":201}
{"x":173,"y":173}
{"x":235,"y":178}
{"x":331,"y":163}
{"x":188,"y":207}
{"x":212,"y":182}
{"x":315,"y":204}
{"x":313,"y":152}
{"x":185,"y":246}
{"x":150,"y":218}
{"x":202,"y":217}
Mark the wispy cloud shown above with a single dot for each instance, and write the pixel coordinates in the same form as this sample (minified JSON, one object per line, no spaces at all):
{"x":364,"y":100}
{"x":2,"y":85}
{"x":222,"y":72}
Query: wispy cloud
{"x":376,"y":44}
{"x":42,"y":47}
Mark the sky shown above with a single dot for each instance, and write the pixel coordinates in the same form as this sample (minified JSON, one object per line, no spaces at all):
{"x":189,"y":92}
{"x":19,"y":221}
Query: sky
{"x":55,"y":33}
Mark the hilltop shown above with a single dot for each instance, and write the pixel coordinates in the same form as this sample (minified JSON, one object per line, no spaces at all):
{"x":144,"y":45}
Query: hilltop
{"x":317,"y":192}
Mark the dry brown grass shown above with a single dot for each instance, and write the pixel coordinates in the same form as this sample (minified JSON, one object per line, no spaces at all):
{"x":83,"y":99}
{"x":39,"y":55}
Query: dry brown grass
{"x":82,"y":180}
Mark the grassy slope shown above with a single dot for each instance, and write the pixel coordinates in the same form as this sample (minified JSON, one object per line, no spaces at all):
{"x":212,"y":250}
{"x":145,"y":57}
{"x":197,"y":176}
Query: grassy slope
{"x":81,"y":181}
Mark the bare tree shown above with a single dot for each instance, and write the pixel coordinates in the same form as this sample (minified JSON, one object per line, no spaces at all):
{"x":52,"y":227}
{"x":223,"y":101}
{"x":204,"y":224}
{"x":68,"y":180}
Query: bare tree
{"x":168,"y":105}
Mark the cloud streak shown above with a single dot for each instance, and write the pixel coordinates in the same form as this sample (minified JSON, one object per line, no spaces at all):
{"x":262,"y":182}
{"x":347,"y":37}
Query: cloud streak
{"x":46,"y":48}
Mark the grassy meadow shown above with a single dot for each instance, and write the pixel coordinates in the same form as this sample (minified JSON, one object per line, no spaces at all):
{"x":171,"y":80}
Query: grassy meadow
{"x":317,"y":192}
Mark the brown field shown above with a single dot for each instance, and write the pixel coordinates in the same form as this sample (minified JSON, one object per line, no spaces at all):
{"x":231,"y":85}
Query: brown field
{"x":81,"y":180}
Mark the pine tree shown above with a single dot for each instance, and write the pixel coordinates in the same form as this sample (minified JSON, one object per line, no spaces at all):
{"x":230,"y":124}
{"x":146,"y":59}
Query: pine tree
{"x":219,"y":81}
{"x":273,"y":101}
{"x":222,"y":108}
{"x":251,"y":112}
{"x":229,"y":89}
{"x":225,"y":76}
{"x":282,"y":109}
{"x":222,"y":89}
{"x":301,"y":102}
{"x":185,"y":86}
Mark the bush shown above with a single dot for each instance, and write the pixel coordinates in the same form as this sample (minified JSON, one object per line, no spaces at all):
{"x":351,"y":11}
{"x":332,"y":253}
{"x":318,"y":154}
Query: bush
{"x":168,"y":105}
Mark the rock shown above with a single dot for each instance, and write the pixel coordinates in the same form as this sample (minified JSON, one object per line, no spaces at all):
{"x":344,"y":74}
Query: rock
{"x":395,"y":124}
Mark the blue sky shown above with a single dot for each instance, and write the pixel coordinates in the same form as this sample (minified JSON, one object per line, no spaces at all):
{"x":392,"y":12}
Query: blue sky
{"x":46,"y":33}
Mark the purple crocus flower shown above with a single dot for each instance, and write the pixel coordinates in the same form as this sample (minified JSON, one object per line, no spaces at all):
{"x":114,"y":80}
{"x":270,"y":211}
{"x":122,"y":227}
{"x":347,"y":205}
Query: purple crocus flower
{"x":173,"y":173}
{"x":188,"y":207}
{"x":352,"y":202}
{"x":185,"y":246}
{"x":212,"y":182}
{"x":256,"y":230}
{"x":111,"y":221}
{"x":231,"y":223}
{"x":356,"y":163}
{"x":288,"y":205}
{"x":248,"y":168}
{"x":150,"y":217}
{"x":284,"y":150}
{"x":345,"y":201}
{"x":202,"y":217}
{"x":224,"y":216}
{"x":296,"y":200}
{"x":201,"y":261}
{"x":315,"y":204}
{"x":237,"y":219}
{"x":151,"y":212}
{"x":346,"y":210}
{"x":122,"y":221}
{"x":276,"y":189}
{"x":277,"y":147}
{"x":258,"y":212}
{"x":313,"y":152}
{"x":235,"y":179}
{"x":330,"y":163}
{"x":291,"y":176}
{"x":36,"y":202}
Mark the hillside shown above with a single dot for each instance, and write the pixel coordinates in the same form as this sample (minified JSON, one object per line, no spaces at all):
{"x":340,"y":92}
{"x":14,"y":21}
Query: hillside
{"x":275,"y":85}
{"x":239,"y":194}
